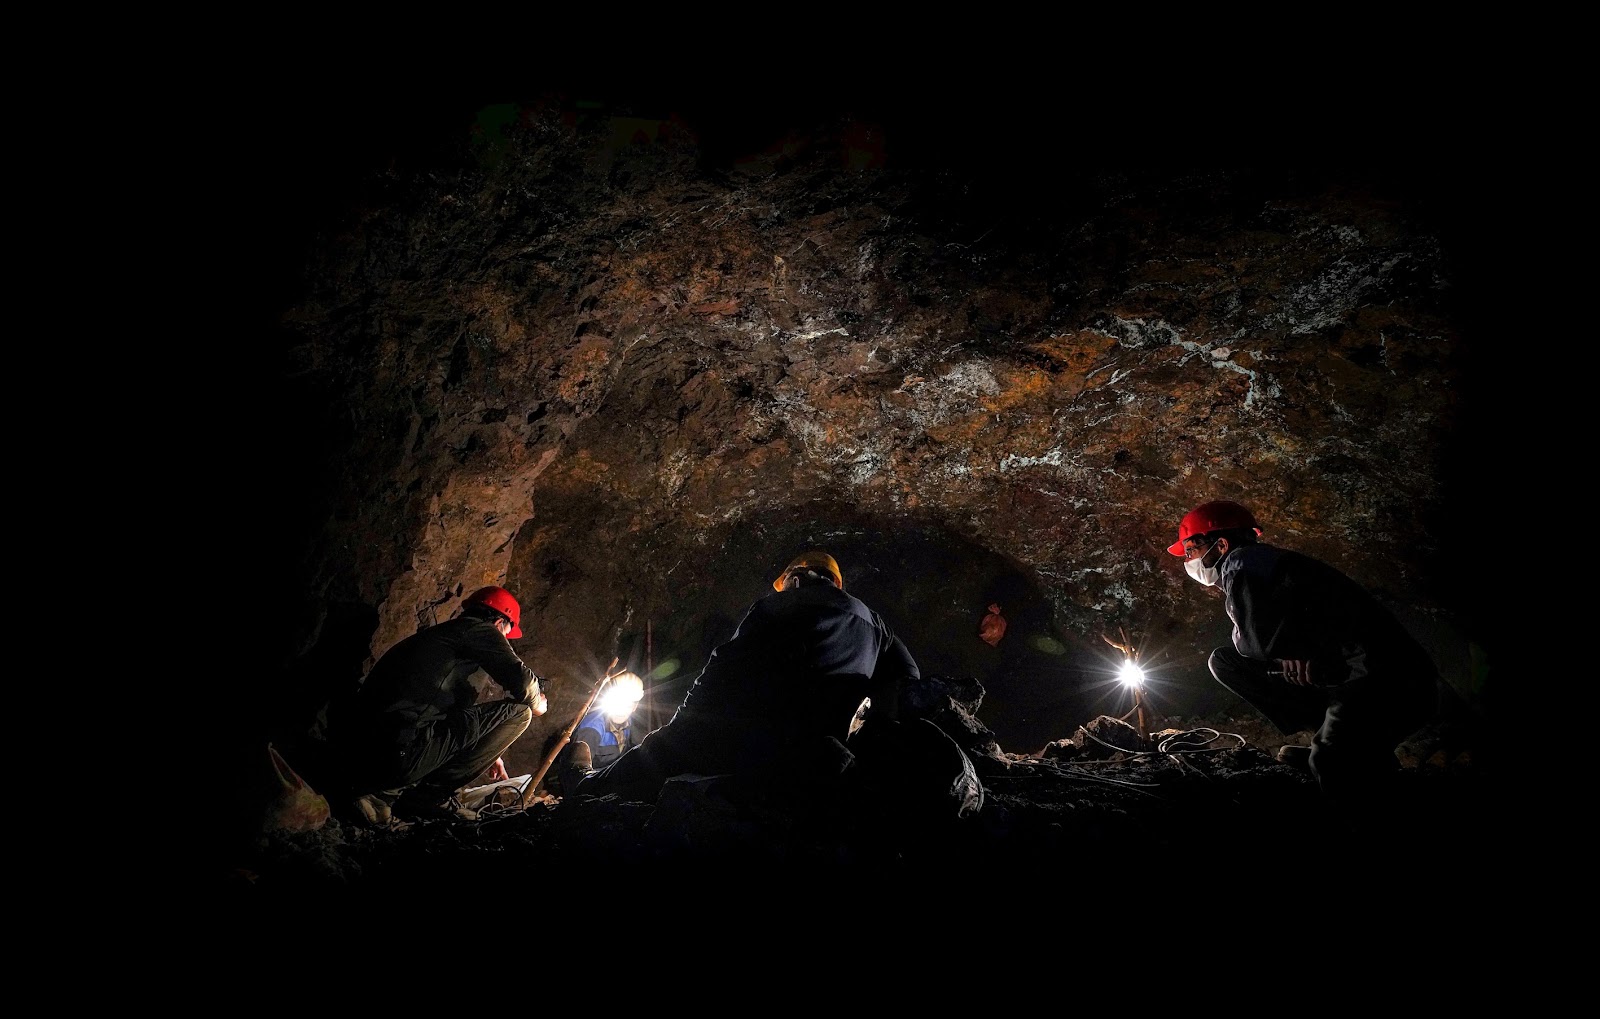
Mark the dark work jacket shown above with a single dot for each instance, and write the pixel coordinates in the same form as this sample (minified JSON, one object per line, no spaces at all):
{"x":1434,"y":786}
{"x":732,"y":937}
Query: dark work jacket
{"x":428,"y":676}
{"x":804,"y":654}
{"x":1286,"y":605}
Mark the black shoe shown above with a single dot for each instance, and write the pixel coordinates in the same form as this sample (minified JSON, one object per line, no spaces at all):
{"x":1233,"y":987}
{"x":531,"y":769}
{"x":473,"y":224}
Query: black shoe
{"x":448,"y":809}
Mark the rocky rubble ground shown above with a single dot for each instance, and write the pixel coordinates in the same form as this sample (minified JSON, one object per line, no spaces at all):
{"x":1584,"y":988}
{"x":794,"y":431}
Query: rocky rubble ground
{"x":1078,"y":818}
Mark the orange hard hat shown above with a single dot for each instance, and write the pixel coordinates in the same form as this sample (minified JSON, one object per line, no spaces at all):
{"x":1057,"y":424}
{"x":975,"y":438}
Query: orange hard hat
{"x":1217,"y":515}
{"x":499,"y":599}
{"x":816,"y":560}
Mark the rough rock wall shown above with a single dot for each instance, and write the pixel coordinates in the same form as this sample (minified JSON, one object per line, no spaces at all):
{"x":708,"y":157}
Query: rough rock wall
{"x":575,"y":356}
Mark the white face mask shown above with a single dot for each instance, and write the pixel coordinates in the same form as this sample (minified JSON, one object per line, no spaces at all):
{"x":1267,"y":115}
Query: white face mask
{"x":1207,"y":575}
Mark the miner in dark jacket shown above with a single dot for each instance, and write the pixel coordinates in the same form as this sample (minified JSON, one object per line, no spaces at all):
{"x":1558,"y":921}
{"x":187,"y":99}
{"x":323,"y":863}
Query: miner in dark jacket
{"x":1312,"y":649}
{"x":417,"y":729}
{"x":776,"y":702}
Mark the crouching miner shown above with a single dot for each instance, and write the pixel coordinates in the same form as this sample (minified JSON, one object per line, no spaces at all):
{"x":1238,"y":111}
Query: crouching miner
{"x":1312,"y":649}
{"x":415,"y":732}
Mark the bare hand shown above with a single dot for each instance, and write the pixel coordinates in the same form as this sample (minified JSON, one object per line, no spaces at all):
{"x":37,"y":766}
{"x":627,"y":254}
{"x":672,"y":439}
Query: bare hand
{"x":497,"y":770}
{"x":1296,"y":672}
{"x":540,"y":703}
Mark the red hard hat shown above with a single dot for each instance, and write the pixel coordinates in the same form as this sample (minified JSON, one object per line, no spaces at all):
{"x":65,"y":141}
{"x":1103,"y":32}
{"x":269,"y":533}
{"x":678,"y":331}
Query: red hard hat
{"x":1218,"y":515}
{"x":499,"y":599}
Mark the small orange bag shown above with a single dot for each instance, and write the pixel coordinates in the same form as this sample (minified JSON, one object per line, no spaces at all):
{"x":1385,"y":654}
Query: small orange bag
{"x":993,"y":626}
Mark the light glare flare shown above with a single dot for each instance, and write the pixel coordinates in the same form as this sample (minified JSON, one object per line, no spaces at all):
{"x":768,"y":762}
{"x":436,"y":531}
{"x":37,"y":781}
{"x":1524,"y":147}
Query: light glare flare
{"x":621,"y":696}
{"x":1131,"y":674}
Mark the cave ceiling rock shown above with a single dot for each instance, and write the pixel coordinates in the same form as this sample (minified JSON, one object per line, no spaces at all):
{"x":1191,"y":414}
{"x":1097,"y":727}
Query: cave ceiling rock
{"x":700,"y":352}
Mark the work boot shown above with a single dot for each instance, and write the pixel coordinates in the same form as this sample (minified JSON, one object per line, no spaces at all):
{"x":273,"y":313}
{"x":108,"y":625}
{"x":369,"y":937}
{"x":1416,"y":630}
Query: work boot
{"x":373,"y":810}
{"x":579,"y":763}
{"x":582,"y":757}
{"x":1295,"y":756}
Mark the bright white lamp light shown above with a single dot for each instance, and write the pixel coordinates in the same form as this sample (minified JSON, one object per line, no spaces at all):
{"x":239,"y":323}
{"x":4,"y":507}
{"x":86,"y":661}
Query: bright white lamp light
{"x":621,"y":696}
{"x":1130,"y":674}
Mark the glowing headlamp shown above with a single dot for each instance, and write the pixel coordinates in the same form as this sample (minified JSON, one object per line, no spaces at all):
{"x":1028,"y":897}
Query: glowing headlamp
{"x":621,"y":696}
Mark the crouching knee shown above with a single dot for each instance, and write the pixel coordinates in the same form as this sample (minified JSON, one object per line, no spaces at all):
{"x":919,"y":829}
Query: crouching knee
{"x":521,"y":716}
{"x":508,"y":720}
{"x":1224,"y":663}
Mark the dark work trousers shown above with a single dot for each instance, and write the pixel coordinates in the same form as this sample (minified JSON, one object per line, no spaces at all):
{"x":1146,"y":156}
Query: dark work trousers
{"x":435,"y":760}
{"x":759,"y":739}
{"x":1357,"y":724}
{"x":687,"y":744}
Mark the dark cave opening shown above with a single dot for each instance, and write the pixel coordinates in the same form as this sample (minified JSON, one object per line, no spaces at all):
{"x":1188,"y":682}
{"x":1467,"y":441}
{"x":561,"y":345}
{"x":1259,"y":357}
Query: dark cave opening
{"x":932,"y":586}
